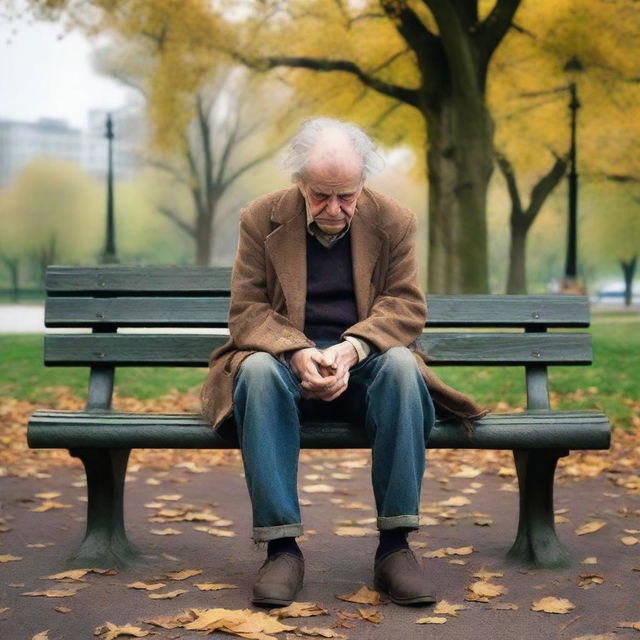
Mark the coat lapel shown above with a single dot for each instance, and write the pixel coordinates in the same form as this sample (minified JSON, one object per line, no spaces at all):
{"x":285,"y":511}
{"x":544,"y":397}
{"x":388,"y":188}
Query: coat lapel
{"x":287,"y":249}
{"x":366,"y":241}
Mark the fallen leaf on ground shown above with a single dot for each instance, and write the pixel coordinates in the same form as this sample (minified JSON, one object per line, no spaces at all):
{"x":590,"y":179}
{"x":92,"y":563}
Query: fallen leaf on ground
{"x":110,"y":631}
{"x":322,"y":633}
{"x":318,"y":488}
{"x":467,"y":472}
{"x":482,"y":590}
{"x":43,"y":635}
{"x":299,"y":610}
{"x":371,"y":615}
{"x":166,"y":532}
{"x":168,"y":595}
{"x":483,"y":574}
{"x":236,"y":621}
{"x":629,"y":541}
{"x":48,"y":495}
{"x":182,"y":575}
{"x":166,"y":622}
{"x":78,"y":574}
{"x":214,"y":531}
{"x":48,"y":505}
{"x":551,"y":604}
{"x":459,"y":551}
{"x":63,"y":609}
{"x":146,"y":587}
{"x":355,"y":532}
{"x":210,"y":586}
{"x":590,"y":560}
{"x":588,"y":580}
{"x":445,"y":608}
{"x":590,"y":527}
{"x":629,"y":625}
{"x":10,"y":558}
{"x":455,"y":501}
{"x":53,"y":593}
{"x":431,"y":620}
{"x":170,"y":497}
{"x":363,"y":595}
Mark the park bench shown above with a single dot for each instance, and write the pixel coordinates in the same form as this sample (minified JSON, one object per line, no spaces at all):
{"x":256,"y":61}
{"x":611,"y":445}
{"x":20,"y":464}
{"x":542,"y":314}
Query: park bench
{"x":478,"y":330}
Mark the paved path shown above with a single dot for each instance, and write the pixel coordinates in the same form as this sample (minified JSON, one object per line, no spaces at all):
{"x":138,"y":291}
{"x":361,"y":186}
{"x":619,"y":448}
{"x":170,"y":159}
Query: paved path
{"x":335,"y":564}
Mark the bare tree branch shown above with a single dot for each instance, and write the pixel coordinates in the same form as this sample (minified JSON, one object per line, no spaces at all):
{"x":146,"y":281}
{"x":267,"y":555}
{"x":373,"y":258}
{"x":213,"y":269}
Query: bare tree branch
{"x":173,"y":216}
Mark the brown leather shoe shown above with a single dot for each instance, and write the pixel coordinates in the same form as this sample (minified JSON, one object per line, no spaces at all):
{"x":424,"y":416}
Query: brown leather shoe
{"x":279,"y":580}
{"x":401,"y":576}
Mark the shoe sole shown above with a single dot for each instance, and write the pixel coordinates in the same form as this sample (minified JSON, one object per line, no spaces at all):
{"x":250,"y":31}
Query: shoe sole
{"x":271,"y":602}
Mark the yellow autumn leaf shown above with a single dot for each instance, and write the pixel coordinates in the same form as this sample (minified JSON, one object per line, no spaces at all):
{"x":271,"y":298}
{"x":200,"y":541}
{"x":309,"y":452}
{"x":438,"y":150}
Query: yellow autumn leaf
{"x":62,"y":609}
{"x":318,"y":488}
{"x":364,"y":595}
{"x":483,"y":574}
{"x":9,"y":558}
{"x":53,"y":593}
{"x":215,"y":531}
{"x":48,"y":495}
{"x":629,"y":541}
{"x":467,"y":472}
{"x":172,"y":497}
{"x":590,"y":560}
{"x":110,"y":631}
{"x":455,"y":501}
{"x":629,"y":625}
{"x":166,"y":532}
{"x":436,"y":553}
{"x":431,"y":620}
{"x":447,"y":609}
{"x":486,"y":589}
{"x":168,"y":595}
{"x":299,"y":610}
{"x":371,"y":615}
{"x":590,"y":527}
{"x":74,"y":574}
{"x":47,"y":505}
{"x":355,"y":532}
{"x":321,"y":632}
{"x":551,"y":604}
{"x":182,"y":575}
{"x":459,"y":551}
{"x":43,"y":635}
{"x":146,"y":586}
{"x":210,"y":586}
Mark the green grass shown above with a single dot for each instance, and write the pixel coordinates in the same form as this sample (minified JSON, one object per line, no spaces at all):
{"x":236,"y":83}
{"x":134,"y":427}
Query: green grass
{"x":609,"y":384}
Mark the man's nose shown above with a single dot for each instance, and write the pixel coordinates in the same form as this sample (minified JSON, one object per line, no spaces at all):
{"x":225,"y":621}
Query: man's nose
{"x":333,"y":206}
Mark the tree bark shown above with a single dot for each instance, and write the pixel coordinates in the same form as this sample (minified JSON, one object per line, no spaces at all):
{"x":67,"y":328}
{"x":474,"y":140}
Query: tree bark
{"x":459,"y":165}
{"x":628,"y":269}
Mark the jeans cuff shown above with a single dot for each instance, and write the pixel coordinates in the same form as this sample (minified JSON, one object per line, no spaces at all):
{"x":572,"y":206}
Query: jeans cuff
{"x":396,"y":522}
{"x":264,"y":534}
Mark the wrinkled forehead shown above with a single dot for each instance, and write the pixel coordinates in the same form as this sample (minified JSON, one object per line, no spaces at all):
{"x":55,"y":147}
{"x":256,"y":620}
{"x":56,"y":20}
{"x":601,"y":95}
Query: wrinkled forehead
{"x":334,"y":155}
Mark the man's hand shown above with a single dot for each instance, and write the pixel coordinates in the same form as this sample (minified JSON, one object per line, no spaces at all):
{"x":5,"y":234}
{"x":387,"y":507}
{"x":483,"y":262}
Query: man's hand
{"x":333,"y":367}
{"x":314,"y":371}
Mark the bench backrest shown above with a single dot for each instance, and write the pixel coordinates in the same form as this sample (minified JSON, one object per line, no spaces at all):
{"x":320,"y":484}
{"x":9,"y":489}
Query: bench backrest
{"x":193,"y":302}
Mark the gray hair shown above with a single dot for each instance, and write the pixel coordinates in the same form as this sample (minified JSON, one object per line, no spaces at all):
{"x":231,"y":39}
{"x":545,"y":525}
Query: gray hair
{"x":296,"y":155}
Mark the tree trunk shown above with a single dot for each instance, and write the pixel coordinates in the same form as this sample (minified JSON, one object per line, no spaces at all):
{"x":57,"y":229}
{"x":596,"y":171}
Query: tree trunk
{"x":459,"y":164}
{"x":628,"y":269}
{"x":204,"y":240}
{"x":517,"y":276}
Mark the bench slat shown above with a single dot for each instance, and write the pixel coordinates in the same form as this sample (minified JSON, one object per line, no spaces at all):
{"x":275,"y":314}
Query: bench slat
{"x":200,"y":311}
{"x":194,"y":350}
{"x":534,"y":429}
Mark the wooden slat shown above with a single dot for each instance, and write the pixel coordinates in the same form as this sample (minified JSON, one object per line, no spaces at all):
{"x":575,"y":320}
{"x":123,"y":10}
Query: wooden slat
{"x":193,"y":350}
{"x":140,"y":280}
{"x":537,"y":429}
{"x":212,"y":310}
{"x":137,"y":312}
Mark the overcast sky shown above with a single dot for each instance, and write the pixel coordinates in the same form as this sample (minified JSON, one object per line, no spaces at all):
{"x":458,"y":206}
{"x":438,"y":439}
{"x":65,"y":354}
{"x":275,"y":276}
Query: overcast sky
{"x":45,"y":75}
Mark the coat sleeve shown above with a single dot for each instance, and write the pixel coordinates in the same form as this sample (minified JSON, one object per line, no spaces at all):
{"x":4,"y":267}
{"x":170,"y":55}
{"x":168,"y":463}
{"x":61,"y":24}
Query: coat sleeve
{"x":253,"y":323}
{"x":399,"y":312}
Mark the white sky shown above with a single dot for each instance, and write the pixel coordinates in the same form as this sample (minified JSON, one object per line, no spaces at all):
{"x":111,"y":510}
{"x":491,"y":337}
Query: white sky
{"x":45,"y":75}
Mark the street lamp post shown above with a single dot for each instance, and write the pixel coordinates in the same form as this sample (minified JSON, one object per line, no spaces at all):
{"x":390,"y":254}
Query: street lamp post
{"x":109,"y":255}
{"x":572,"y":67}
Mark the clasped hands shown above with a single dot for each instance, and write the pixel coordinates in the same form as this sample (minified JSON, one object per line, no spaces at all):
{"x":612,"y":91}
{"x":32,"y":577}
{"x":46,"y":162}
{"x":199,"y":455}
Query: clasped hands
{"x":324,"y":375}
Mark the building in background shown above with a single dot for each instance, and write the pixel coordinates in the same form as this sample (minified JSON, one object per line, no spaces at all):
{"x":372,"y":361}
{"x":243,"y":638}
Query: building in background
{"x":21,"y":142}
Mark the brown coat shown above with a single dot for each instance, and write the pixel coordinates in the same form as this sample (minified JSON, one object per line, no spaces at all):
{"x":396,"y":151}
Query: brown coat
{"x":268,"y":291}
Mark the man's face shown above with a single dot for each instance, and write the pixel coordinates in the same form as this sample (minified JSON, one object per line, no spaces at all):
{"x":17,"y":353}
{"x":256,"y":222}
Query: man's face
{"x":331,"y":191}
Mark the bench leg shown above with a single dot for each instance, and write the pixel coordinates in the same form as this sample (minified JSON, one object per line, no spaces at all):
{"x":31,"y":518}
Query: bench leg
{"x":105,"y":543}
{"x":536,"y":542}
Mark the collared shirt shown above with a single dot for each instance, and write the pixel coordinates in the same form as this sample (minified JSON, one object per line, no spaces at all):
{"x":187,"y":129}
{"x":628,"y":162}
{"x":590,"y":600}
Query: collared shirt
{"x":362,"y":347}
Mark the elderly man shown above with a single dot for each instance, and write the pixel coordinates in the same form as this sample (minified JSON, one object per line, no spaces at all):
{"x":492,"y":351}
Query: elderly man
{"x":325,"y":310}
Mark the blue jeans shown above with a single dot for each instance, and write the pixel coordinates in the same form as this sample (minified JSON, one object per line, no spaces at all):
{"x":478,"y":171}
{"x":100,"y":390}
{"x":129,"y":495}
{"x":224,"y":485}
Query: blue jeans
{"x":386,"y":394}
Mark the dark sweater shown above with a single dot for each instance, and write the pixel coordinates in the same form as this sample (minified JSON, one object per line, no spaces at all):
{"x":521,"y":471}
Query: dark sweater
{"x":331,"y":303}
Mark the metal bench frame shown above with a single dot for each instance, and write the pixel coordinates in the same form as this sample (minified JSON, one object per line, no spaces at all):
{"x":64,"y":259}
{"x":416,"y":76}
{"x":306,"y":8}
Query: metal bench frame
{"x":505,"y":331}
